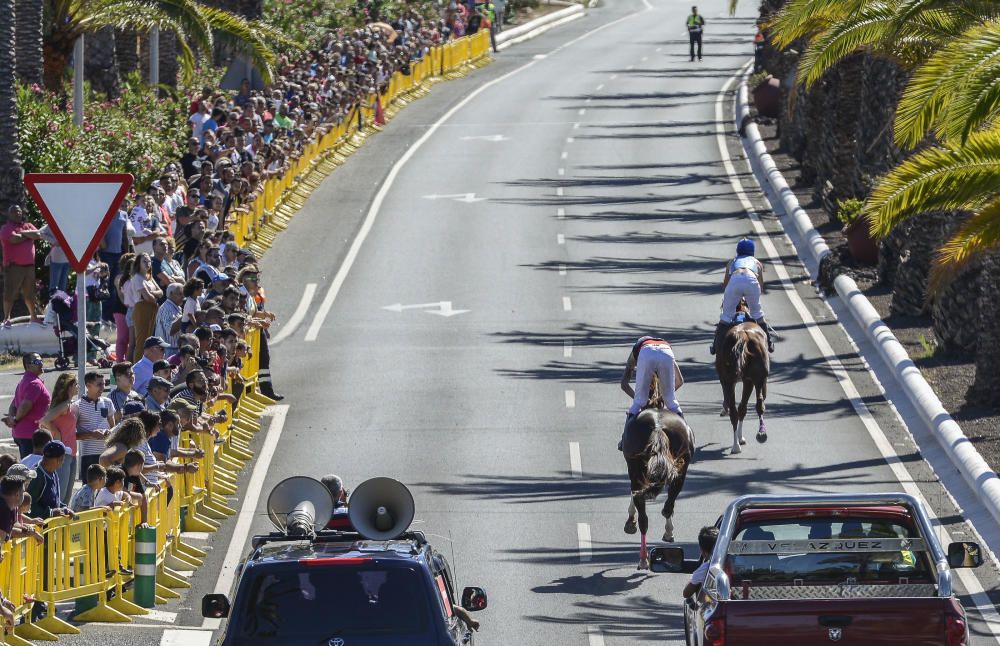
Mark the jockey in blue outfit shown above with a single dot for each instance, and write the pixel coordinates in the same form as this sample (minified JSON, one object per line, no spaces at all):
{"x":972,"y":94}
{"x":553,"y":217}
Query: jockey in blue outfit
{"x":744,"y":279}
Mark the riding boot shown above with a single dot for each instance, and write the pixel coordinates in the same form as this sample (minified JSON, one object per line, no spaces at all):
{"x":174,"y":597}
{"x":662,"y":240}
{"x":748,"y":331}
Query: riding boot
{"x":720,"y":332}
{"x":628,"y":418}
{"x":768,"y":331}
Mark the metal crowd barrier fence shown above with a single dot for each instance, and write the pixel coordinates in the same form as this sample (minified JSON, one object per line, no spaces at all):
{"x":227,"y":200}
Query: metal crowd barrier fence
{"x":91,"y":561}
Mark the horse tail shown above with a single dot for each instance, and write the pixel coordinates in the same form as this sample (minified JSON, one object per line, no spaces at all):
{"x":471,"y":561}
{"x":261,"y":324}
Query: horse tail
{"x":661,"y":466}
{"x":740,"y":353}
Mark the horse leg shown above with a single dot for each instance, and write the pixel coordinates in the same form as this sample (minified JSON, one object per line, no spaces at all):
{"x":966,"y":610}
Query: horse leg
{"x":733,"y":419}
{"x":630,"y":526}
{"x":640,"y":505}
{"x":742,"y":409}
{"x":761,"y":429}
{"x":668,"y":507}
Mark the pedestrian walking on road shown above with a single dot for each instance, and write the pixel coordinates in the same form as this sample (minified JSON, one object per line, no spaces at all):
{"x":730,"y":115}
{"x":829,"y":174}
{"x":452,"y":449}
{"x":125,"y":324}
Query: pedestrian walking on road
{"x":695,"y":25}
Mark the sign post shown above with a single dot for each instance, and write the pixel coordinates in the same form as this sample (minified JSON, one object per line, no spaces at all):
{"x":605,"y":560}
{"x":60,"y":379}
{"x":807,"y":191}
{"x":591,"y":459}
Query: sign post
{"x":78,"y":207}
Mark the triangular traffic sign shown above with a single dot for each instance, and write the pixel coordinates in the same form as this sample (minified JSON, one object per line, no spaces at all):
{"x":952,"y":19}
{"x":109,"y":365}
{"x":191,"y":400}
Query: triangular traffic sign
{"x":78,"y":207}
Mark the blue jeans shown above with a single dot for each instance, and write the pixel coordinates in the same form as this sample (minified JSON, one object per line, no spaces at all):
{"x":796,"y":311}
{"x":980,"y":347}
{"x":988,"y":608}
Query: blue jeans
{"x":58,"y":276}
{"x":66,"y":473}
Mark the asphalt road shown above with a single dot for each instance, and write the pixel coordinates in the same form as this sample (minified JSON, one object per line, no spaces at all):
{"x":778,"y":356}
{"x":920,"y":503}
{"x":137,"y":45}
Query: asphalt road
{"x":581,"y":201}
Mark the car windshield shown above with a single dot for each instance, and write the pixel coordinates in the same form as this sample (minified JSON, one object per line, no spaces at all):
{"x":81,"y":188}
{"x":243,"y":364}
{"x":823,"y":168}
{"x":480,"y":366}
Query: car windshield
{"x":326,"y":601}
{"x":827,"y":564}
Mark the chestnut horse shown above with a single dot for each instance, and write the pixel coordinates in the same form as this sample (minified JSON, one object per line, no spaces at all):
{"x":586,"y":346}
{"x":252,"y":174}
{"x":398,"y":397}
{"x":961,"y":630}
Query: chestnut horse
{"x":658,"y":447}
{"x":743,"y":357}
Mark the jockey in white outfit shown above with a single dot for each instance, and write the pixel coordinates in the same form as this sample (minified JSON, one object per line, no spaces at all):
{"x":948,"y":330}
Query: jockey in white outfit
{"x":651,"y":356}
{"x":744,"y":279}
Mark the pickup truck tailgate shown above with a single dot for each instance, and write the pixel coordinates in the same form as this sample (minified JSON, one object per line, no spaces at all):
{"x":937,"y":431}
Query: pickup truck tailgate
{"x":909,"y":621}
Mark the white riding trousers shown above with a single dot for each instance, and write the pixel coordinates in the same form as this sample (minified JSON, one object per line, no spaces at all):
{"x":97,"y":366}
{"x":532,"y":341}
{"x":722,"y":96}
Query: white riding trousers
{"x":658,"y":360}
{"x":741,"y":284}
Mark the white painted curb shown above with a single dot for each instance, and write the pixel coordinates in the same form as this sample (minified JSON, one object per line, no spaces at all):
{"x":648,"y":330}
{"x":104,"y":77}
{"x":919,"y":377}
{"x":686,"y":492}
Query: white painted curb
{"x":978,"y":475}
{"x":538,"y":26}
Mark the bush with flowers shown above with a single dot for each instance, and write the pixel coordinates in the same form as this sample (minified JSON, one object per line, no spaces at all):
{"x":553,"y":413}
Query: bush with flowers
{"x":136,"y":133}
{"x":306,"y":21}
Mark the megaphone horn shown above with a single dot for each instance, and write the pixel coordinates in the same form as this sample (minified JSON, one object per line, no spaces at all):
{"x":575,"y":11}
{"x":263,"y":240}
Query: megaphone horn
{"x":300,"y":506}
{"x":381,"y":509}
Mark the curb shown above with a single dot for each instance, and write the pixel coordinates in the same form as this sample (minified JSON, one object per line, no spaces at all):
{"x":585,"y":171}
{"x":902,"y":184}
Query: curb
{"x":538,"y":26}
{"x":975,"y":471}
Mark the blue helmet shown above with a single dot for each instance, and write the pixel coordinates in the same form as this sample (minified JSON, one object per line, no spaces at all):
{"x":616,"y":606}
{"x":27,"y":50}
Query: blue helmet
{"x":745,"y":247}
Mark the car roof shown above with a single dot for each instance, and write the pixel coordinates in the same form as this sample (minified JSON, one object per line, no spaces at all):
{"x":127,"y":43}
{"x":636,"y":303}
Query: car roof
{"x":344,"y":547}
{"x":894,"y":512}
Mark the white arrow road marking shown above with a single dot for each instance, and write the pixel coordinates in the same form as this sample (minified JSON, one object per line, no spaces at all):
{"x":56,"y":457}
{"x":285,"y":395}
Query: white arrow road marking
{"x":443,"y":308}
{"x":495,"y":138}
{"x":468,"y":198}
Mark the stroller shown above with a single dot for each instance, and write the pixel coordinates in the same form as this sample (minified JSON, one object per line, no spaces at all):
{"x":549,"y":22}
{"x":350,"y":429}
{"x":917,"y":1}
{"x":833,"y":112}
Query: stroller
{"x":64,"y":324}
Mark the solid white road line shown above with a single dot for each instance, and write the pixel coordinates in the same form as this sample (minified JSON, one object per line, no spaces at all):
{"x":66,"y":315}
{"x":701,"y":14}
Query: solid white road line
{"x":173,"y":637}
{"x":570,"y":397}
{"x":583,"y":541}
{"x":575,"y":467}
{"x":567,"y":304}
{"x":297,"y":316}
{"x":560,"y":238}
{"x":972,"y":584}
{"x":594,"y":636}
{"x":562,"y":270}
{"x":373,"y":210}
{"x":567,"y":349}
{"x":249,"y":508}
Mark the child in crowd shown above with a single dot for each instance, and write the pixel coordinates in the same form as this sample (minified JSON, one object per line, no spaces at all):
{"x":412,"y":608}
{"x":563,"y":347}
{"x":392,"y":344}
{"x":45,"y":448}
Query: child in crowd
{"x":83,"y":499}
{"x":193,"y":289}
{"x":39,"y":439}
{"x":706,"y":542}
{"x":136,"y":482}
{"x":23,"y":518}
{"x":113,"y":493}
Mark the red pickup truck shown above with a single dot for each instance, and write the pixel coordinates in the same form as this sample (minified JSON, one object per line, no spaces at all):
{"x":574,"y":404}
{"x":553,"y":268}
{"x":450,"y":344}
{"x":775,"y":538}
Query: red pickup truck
{"x":851,"y":569}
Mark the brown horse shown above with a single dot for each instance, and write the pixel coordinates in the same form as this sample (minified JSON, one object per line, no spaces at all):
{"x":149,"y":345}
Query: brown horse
{"x":658,"y":447}
{"x":743,"y":357}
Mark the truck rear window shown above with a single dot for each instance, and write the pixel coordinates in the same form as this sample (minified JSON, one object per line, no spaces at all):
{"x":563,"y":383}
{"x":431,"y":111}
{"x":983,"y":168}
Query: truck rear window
{"x":833,"y":550}
{"x":324,"y":602}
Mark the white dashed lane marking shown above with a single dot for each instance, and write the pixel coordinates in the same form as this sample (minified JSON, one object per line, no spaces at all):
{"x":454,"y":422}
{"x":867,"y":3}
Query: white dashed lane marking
{"x":570,"y":396}
{"x":567,"y":304}
{"x":583,"y":540}
{"x":575,"y":467}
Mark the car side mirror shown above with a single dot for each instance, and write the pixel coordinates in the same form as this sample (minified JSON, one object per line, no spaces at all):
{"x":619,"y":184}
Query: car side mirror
{"x":214,"y":606}
{"x":474,"y":599}
{"x":666,"y":559}
{"x":964,"y":554}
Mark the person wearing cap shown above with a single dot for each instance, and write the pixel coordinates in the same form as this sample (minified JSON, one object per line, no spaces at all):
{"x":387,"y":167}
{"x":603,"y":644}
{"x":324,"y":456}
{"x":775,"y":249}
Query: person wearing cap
{"x":744,"y":279}
{"x":153,"y":349}
{"x":163,"y":369}
{"x":45,"y":489}
{"x":158,"y":394}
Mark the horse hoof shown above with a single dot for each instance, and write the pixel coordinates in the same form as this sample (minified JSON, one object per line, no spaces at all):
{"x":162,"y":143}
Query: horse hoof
{"x":737,"y":449}
{"x":668,"y":538}
{"x":643,"y":564}
{"x":762,"y":437}
{"x":630,"y":526}
{"x":743,"y":440}
{"x":724,"y":413}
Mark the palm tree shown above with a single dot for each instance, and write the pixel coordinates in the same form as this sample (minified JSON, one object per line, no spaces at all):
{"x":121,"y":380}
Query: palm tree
{"x":11,"y":173}
{"x":197,"y":27}
{"x":28,"y":14}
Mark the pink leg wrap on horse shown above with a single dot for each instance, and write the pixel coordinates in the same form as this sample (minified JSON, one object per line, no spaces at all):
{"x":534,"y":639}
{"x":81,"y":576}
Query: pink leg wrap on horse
{"x":642,"y":546}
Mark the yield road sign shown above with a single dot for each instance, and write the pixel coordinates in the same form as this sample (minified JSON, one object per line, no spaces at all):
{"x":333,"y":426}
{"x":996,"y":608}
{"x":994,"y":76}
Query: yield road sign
{"x":78,"y":207}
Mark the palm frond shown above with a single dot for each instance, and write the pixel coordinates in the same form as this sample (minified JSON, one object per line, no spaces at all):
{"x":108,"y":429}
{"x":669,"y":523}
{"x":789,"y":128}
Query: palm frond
{"x":869,"y":28}
{"x":979,"y":234}
{"x":253,"y":39}
{"x":938,"y":179}
{"x":978,"y":92}
{"x":806,"y":18}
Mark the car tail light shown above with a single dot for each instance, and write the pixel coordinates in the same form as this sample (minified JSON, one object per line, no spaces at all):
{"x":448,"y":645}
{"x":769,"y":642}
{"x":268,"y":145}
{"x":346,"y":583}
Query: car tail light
{"x":347,"y":560}
{"x":715,"y":632}
{"x":954,"y":630}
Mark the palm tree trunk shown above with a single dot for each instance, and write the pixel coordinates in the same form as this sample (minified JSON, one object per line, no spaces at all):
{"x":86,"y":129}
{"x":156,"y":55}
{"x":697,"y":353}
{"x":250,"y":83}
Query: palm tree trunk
{"x":11,"y":172}
{"x":168,"y":58}
{"x":126,"y":52}
{"x":29,"y":40}
{"x":101,"y":64}
{"x":985,"y":389}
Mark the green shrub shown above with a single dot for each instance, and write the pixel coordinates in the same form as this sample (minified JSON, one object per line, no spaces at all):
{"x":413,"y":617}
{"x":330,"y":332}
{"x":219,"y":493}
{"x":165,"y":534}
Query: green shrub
{"x":848,"y":210}
{"x":757,"y":79}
